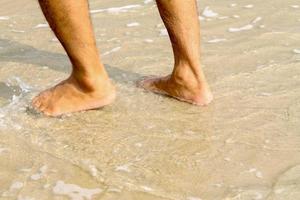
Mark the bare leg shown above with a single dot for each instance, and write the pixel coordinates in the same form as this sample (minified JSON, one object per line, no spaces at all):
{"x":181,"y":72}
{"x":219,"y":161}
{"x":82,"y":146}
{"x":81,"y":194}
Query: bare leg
{"x":88,"y":87}
{"x":187,"y":81}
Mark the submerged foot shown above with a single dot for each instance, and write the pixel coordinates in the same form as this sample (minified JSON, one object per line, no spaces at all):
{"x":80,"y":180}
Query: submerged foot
{"x":188,"y":90}
{"x":73,"y":95}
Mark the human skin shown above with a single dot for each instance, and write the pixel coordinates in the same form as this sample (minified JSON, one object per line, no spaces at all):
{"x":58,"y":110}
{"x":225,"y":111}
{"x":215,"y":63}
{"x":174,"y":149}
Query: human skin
{"x":187,"y":82}
{"x":89,"y":87}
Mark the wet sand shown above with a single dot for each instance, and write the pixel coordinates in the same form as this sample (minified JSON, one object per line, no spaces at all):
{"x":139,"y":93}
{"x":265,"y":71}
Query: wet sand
{"x":244,"y":146}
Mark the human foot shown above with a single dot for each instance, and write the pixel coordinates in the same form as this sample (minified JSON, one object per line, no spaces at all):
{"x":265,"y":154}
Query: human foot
{"x":73,"y":95}
{"x":187,"y":91}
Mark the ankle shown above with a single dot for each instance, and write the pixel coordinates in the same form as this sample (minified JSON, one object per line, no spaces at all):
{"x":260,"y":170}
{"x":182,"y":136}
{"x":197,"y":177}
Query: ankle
{"x":90,"y":82}
{"x":191,"y":76}
{"x":192,"y":84}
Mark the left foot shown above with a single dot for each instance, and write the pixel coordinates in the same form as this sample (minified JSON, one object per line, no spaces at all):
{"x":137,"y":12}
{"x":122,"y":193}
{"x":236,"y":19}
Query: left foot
{"x":188,"y":90}
{"x":73,"y":95}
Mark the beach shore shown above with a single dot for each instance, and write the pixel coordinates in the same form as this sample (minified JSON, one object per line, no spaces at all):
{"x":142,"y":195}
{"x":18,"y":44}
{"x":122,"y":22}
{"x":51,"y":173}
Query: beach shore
{"x":243,"y":146}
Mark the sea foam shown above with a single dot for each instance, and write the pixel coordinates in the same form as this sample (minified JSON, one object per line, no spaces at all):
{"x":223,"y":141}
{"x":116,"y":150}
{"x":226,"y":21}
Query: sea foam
{"x":4,"y":18}
{"x":207,"y":12}
{"x":74,"y":192}
{"x":116,"y":10}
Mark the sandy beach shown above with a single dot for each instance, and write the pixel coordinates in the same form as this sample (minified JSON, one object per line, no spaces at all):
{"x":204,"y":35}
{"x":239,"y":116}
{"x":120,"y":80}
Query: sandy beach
{"x":243,"y":146}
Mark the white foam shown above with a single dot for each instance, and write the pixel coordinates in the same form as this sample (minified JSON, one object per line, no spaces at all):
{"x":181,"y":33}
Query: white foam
{"x":4,"y":18}
{"x":227,"y":159}
{"x":36,"y":177}
{"x":243,"y":28}
{"x":111,"y":51}
{"x":259,"y":174}
{"x":233,"y":5}
{"x":294,"y":6}
{"x":147,"y":189}
{"x":163,"y":32}
{"x":217,"y":40}
{"x":74,"y":192}
{"x":193,"y":198}
{"x":15,"y":105}
{"x":16,"y":185}
{"x":223,"y":17}
{"x":25,"y":198}
{"x":138,"y":144}
{"x":201,"y":18}
{"x":116,"y":10}
{"x":249,"y":6}
{"x":124,"y":168}
{"x":133,"y":24}
{"x":257,"y":19}
{"x":54,"y":40}
{"x":258,"y":196}
{"x":219,"y":185}
{"x":42,"y":26}
{"x":93,"y":169}
{"x":266,"y":94}
{"x":149,"y":40}
{"x":207,"y":12}
{"x":117,"y":190}
{"x":40,"y":174}
{"x":112,"y":39}
{"x":14,"y":188}
{"x":262,"y":26}
{"x":252,"y":170}
{"x":297,"y":51}
{"x":24,"y":87}
{"x":17,"y":31}
{"x":147,"y":1}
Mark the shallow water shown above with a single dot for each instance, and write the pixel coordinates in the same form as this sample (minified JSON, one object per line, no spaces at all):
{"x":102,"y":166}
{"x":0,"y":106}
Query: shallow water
{"x":244,"y":146}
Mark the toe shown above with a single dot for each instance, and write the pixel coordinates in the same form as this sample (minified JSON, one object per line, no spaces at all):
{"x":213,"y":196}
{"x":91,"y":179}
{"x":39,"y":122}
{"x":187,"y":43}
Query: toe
{"x":40,"y":103}
{"x":51,"y":113}
{"x":43,"y":106}
{"x":144,"y":79}
{"x":155,"y":84}
{"x":39,"y":100}
{"x":147,"y":83}
{"x":36,"y":103}
{"x":34,"y":100}
{"x":47,"y":113}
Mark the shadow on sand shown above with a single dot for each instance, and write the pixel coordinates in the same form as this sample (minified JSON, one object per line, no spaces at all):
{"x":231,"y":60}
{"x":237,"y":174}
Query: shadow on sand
{"x":22,"y":53}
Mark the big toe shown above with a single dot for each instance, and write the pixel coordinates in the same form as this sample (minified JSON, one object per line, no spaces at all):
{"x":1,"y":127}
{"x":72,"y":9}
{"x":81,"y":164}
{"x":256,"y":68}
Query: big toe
{"x":49,"y":112}
{"x":36,"y":102}
{"x":148,"y":83}
{"x":40,"y":101}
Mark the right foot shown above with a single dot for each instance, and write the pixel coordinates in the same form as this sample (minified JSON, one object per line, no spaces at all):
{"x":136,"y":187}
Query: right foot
{"x":188,"y":91}
{"x":73,"y":95}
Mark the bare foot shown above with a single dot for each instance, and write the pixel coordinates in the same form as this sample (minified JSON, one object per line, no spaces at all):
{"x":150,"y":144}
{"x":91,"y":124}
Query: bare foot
{"x":74,"y":95}
{"x":187,"y":91}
